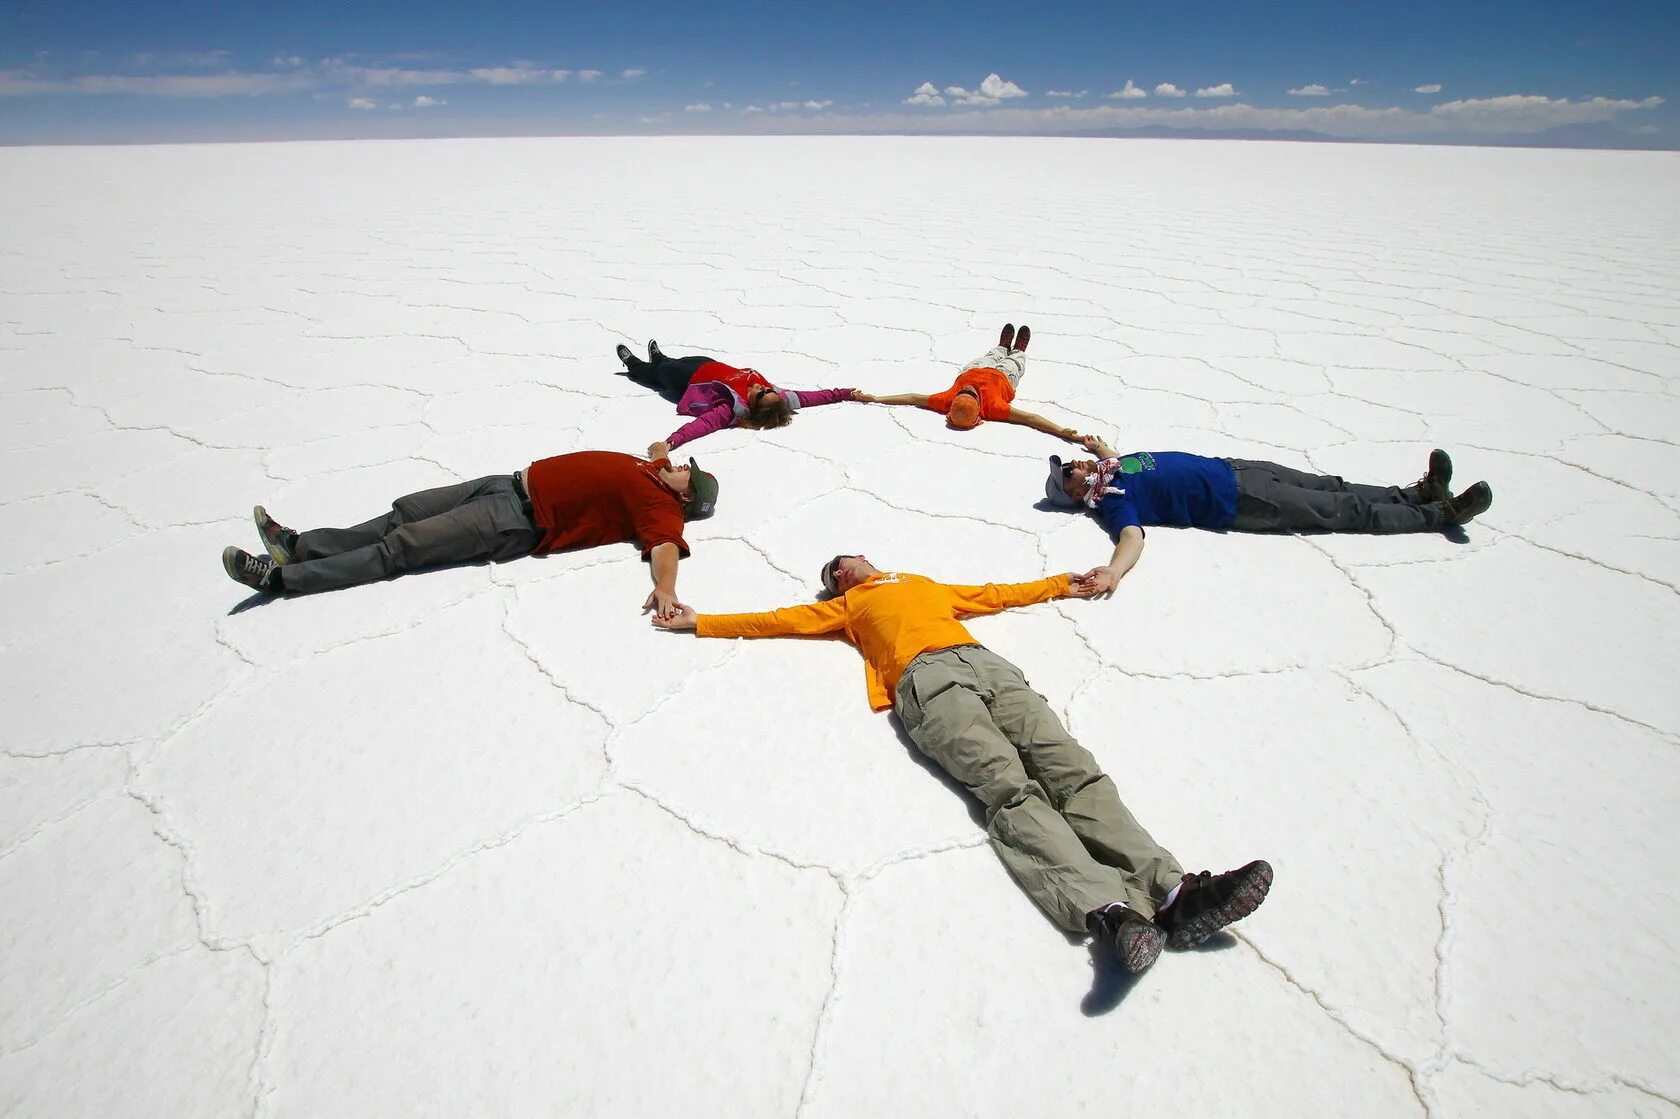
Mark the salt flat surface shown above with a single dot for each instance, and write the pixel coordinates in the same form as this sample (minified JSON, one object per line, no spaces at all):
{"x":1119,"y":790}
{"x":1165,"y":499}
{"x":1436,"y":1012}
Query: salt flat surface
{"x":483,"y":842}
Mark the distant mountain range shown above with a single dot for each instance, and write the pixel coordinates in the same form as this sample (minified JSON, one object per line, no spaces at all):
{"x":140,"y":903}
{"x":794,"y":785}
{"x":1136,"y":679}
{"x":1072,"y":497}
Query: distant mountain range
{"x":1598,"y":136}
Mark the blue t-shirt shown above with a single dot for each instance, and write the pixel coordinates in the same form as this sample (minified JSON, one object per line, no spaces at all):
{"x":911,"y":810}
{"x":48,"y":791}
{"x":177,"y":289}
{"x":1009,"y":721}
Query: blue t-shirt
{"x":1170,"y":488}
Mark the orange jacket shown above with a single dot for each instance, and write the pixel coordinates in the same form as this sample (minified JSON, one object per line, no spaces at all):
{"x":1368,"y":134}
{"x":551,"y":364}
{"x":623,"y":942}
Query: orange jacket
{"x":996,"y":393}
{"x":892,"y":618}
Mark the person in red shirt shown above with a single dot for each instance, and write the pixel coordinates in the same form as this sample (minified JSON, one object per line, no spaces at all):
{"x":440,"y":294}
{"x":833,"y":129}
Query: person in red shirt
{"x":578,"y":500}
{"x":984,"y":390}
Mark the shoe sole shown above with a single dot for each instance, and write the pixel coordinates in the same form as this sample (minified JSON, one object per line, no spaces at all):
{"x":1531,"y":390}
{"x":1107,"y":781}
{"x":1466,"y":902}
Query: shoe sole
{"x":1140,"y":947}
{"x":1246,"y":900}
{"x":276,"y":550}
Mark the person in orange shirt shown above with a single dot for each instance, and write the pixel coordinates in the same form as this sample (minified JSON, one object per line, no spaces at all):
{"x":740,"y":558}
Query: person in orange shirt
{"x":1053,"y":816}
{"x":579,"y":500}
{"x":984,"y":390}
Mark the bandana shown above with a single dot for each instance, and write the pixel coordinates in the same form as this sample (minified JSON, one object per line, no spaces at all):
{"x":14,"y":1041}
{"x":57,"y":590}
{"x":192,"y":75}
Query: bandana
{"x":1098,"y":482}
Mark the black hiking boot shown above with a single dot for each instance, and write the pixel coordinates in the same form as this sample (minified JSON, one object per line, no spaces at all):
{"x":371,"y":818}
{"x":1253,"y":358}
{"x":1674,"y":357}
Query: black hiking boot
{"x":629,"y":359}
{"x":1435,"y":483}
{"x":654,"y":352}
{"x":1022,"y":337}
{"x":1470,"y":504}
{"x":1006,"y":337}
{"x":1124,"y":935}
{"x":1207,"y":902}
{"x":280,"y":541}
{"x":257,"y":572}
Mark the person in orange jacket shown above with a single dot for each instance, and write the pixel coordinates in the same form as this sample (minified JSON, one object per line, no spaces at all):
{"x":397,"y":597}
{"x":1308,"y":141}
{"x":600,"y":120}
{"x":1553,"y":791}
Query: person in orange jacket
{"x":984,"y":390}
{"x":1053,"y":816}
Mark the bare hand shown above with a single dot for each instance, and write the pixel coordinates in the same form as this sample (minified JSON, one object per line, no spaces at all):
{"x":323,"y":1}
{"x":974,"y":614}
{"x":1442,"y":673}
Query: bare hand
{"x":1097,"y":581}
{"x":682,"y":618}
{"x":862,"y":397}
{"x":664,"y":604}
{"x":1092,"y":443}
{"x":659,"y":449}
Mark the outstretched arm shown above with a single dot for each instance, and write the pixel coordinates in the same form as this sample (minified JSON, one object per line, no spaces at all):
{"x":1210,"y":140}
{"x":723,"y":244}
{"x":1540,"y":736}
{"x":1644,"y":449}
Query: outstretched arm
{"x":663,"y":559}
{"x":1103,"y":580}
{"x":1095,"y":444}
{"x":916,"y":398}
{"x":1039,"y":423}
{"x":714,"y":418}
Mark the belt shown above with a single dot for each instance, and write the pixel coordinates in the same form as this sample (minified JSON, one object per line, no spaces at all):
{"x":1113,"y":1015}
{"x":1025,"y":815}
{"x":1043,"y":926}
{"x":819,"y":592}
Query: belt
{"x":519,"y":488}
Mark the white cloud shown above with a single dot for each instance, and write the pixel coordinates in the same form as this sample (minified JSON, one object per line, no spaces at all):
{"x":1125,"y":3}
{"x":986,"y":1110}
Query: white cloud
{"x":1359,"y":81}
{"x":1432,"y":87}
{"x":395,"y":106}
{"x":1131,"y":92}
{"x":1224,"y":89}
{"x":752,"y":109}
{"x":1167,"y":89}
{"x":698,"y":107}
{"x":424,"y":102}
{"x":1314,"y":90}
{"x":632,"y":74}
{"x":588,"y":75}
{"x":817,"y":104}
{"x":785,"y":105}
{"x":1065,"y":93}
{"x":509,"y":75}
{"x":361,"y":103}
{"x":560,"y":75}
{"x":1000,"y":88}
{"x":925,"y":94}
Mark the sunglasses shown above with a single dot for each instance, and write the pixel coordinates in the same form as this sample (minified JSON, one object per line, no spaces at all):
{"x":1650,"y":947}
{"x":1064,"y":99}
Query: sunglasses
{"x":832,"y":576}
{"x":1067,"y":470}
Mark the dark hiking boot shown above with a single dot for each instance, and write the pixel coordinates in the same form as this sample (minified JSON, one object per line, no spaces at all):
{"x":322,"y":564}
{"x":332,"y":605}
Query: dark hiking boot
{"x":1207,"y":902}
{"x":1470,"y":504}
{"x":629,"y":359}
{"x":1022,"y":337}
{"x":1006,"y":337}
{"x":280,"y":541}
{"x":257,"y":572}
{"x":1435,"y":483}
{"x":654,"y":352}
{"x":1125,"y":936}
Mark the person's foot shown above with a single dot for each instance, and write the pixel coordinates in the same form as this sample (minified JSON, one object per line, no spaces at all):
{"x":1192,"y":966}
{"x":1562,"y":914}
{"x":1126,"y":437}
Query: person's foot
{"x":257,"y":572}
{"x":1470,"y":504}
{"x":1207,"y":902}
{"x":654,"y":352}
{"x":1435,"y":483}
{"x":1006,"y":337}
{"x":1126,"y":936}
{"x":280,"y":541}
{"x":1022,"y":337}
{"x":629,"y":359}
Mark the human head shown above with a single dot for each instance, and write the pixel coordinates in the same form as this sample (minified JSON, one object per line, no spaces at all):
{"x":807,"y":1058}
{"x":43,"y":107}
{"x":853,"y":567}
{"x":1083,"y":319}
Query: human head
{"x":844,"y":572}
{"x":697,"y":489}
{"x":964,"y":412}
{"x":767,"y":408}
{"x":1066,"y":485}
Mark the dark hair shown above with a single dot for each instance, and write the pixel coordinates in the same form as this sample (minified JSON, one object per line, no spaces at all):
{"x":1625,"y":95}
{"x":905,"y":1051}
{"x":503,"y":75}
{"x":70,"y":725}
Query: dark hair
{"x":764,"y":415}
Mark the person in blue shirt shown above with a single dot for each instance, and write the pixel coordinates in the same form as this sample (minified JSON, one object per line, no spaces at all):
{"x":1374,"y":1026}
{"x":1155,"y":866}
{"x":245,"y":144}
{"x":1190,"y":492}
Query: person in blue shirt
{"x":1127,"y":492}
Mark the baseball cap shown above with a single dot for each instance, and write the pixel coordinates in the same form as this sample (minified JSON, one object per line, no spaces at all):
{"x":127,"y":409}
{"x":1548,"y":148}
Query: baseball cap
{"x":1053,"y":491}
{"x":705,"y":493}
{"x":964,"y":412}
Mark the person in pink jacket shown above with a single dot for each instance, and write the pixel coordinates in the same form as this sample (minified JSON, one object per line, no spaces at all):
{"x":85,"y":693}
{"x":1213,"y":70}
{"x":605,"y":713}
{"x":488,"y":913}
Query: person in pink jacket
{"x":719,"y":395}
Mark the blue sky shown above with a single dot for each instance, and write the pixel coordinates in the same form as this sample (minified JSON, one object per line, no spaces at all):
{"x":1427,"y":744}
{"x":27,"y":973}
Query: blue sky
{"x":144,"y":71}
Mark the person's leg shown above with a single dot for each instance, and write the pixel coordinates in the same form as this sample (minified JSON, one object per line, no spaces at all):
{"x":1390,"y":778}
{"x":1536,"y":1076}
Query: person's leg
{"x":1330,"y":483}
{"x":319,"y":543}
{"x":1079,"y":789}
{"x":1268,"y":502}
{"x":492,"y":523}
{"x":941,"y":707}
{"x":995,"y":358}
{"x":668,"y":376}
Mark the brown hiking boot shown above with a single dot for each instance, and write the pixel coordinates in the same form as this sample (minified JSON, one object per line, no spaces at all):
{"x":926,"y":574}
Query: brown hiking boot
{"x":1207,"y":902}
{"x":1022,"y":337}
{"x":1470,"y":504}
{"x":1436,"y":482}
{"x":1126,"y":936}
{"x":1006,"y":338}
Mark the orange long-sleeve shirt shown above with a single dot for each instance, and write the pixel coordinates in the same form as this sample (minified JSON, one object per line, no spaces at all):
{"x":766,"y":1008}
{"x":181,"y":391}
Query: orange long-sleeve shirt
{"x":892,"y":618}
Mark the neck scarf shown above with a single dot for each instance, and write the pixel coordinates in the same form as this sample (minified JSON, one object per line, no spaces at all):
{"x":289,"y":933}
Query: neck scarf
{"x":1098,"y":483}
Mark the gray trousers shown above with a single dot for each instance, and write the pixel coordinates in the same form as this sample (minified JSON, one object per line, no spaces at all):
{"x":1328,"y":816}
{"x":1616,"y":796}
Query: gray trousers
{"x":1053,"y":817}
{"x":1273,"y":498}
{"x":485,"y":519}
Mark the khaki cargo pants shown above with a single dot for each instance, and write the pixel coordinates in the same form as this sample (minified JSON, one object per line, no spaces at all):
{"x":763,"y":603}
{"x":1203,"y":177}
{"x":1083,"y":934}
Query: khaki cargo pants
{"x":1054,"y":818}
